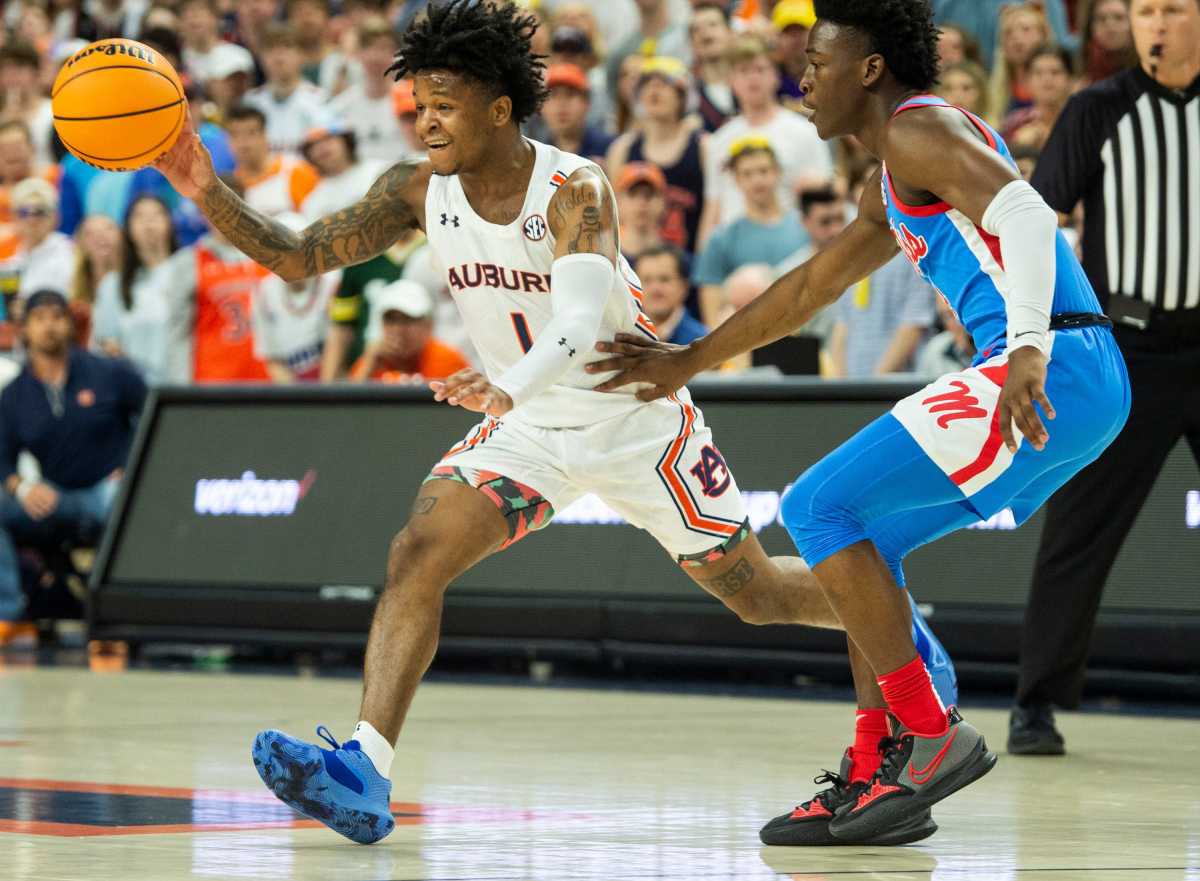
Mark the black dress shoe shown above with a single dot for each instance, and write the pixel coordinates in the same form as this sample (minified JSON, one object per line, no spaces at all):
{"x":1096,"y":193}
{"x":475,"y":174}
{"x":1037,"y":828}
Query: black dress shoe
{"x":1031,"y":732}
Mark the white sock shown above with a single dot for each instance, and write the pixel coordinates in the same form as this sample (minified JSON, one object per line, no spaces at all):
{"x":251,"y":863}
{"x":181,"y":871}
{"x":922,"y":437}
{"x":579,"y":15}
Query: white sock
{"x":375,"y":745}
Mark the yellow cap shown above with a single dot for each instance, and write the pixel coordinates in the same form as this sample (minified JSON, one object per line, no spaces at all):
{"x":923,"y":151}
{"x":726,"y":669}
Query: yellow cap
{"x":790,"y":12}
{"x":749,"y":142}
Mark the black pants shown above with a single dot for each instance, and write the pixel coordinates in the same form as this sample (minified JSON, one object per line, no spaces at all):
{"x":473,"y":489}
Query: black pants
{"x":1088,"y":519}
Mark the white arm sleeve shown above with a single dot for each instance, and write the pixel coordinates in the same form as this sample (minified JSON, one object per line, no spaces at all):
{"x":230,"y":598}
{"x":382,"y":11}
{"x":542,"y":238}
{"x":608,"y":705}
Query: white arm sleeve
{"x":1028,"y":229}
{"x":580,"y":285}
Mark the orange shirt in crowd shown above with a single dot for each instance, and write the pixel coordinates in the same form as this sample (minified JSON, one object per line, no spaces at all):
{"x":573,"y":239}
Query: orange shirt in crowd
{"x":437,"y":361}
{"x":224,"y":340}
{"x":282,"y":187}
{"x":8,"y":225}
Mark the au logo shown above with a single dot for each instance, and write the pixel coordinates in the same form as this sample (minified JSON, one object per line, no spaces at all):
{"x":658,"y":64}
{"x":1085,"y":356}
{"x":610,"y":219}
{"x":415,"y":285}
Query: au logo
{"x":535,"y":227}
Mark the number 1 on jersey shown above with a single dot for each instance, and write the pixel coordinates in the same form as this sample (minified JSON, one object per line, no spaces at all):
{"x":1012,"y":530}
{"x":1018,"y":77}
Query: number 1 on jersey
{"x":521,"y":326}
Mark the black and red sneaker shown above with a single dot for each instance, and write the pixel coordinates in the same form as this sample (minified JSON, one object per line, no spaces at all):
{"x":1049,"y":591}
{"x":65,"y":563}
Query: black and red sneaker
{"x":917,"y":772}
{"x":808,"y":824}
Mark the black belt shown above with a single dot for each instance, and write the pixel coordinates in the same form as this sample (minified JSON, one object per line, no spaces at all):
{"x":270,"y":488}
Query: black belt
{"x":1069,"y":320}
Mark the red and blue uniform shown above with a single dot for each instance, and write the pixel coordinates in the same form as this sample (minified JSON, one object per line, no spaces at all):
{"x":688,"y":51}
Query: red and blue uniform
{"x":937,"y":462}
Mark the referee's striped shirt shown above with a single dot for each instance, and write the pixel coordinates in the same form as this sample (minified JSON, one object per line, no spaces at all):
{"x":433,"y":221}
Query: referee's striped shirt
{"x":1130,"y":149}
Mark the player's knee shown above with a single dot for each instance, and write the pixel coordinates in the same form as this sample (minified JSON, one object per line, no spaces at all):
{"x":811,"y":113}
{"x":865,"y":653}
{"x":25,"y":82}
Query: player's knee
{"x":817,"y":516}
{"x":411,"y":553}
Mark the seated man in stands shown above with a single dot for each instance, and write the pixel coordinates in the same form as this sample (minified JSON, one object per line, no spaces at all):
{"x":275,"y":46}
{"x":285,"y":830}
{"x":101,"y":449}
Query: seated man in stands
{"x":400,"y":343}
{"x":74,"y":412}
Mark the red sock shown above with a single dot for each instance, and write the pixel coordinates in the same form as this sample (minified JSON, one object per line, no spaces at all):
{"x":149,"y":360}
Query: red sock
{"x":870,"y":727}
{"x":910,"y":696}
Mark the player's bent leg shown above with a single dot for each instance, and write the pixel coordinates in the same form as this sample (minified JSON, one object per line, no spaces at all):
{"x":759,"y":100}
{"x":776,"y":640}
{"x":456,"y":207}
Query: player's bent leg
{"x":760,"y":589}
{"x":451,"y":528}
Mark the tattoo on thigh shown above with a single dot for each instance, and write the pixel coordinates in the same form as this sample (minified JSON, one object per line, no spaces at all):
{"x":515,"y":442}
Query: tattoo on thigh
{"x":731,"y":583}
{"x":424,"y":504}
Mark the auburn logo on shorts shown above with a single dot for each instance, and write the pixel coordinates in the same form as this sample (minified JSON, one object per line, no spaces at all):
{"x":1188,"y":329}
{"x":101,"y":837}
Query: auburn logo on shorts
{"x":712,"y":472}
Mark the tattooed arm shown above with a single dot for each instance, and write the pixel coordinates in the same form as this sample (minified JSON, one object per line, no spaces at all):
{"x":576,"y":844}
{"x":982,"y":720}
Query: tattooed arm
{"x":394,"y":204}
{"x":582,"y":217}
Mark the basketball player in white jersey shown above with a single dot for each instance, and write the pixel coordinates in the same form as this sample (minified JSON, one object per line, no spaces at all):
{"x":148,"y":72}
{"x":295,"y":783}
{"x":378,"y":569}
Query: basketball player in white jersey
{"x":528,"y":236}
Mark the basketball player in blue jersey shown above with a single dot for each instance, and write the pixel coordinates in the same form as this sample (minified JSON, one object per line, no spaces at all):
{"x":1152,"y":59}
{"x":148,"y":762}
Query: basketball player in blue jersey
{"x":528,"y":236}
{"x":969,"y":445}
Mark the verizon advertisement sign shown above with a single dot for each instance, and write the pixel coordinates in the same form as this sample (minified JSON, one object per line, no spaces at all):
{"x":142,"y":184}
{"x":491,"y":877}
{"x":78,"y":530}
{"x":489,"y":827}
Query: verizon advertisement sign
{"x":248,"y":496}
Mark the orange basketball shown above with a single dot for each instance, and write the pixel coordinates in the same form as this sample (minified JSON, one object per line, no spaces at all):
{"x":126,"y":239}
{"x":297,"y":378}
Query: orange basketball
{"x":118,"y":104}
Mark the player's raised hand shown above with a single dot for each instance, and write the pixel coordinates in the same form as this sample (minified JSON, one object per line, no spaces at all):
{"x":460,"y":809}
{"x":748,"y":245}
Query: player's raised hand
{"x":1025,"y":386}
{"x":662,"y":366}
{"x":471,"y":390}
{"x":188,"y":164}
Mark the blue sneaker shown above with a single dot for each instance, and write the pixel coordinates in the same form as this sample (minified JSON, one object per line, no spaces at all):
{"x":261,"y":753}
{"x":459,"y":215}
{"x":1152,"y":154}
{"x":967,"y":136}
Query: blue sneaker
{"x":937,"y":660}
{"x":340,"y":787}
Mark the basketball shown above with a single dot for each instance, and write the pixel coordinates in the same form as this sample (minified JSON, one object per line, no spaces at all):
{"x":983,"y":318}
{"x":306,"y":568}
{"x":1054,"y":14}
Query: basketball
{"x":118,"y":104}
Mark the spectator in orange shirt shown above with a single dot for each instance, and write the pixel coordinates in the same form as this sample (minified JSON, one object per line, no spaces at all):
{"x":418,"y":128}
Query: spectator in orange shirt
{"x":274,"y":183}
{"x":17,"y":162}
{"x":401,"y":346}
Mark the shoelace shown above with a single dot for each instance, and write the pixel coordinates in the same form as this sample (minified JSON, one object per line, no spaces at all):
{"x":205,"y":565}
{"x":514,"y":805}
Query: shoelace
{"x":838,"y":782}
{"x":893,"y":761}
{"x":325,"y":735}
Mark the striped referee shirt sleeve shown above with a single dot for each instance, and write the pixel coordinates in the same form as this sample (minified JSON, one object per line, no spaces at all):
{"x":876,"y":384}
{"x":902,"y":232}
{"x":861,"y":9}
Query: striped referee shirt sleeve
{"x":1070,"y":162}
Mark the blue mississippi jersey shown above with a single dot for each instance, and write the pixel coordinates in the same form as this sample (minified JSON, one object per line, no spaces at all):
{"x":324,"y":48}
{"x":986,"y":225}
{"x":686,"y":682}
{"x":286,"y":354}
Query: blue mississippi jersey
{"x":964,"y":263}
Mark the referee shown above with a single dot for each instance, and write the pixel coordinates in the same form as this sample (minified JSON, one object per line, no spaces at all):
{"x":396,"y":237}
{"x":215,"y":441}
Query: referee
{"x":1129,"y":147}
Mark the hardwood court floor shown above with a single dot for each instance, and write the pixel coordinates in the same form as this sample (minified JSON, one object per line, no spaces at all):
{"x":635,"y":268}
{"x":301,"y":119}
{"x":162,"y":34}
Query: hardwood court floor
{"x":146,"y":776}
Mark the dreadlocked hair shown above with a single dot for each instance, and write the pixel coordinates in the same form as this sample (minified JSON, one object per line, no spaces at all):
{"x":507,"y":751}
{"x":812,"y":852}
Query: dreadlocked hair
{"x":486,"y":40}
{"x":902,"y":31}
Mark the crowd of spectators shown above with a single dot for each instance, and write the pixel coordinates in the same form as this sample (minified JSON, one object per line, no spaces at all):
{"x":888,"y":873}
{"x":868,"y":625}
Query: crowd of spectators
{"x":693,"y":109}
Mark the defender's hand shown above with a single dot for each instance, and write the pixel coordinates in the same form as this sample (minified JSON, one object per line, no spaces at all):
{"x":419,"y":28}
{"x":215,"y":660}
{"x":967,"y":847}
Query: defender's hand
{"x":188,"y":164}
{"x":471,"y":390}
{"x":661,"y":365}
{"x":1025,"y":386}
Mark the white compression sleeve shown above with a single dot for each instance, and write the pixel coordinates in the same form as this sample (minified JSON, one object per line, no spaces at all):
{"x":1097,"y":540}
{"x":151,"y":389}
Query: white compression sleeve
{"x":580,"y":285}
{"x":1027,"y":228}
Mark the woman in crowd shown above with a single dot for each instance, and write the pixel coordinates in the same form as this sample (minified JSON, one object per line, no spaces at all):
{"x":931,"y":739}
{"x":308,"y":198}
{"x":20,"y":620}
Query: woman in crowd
{"x":965,"y":84}
{"x":956,"y":45}
{"x":1107,"y":44}
{"x":132,"y":313}
{"x":671,"y":139}
{"x":97,"y":253}
{"x":1023,"y":28}
{"x":1050,"y":80}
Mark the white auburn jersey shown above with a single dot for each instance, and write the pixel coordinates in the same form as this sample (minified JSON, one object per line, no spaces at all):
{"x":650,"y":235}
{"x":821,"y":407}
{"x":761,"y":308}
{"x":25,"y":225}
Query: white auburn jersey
{"x":500,"y":278}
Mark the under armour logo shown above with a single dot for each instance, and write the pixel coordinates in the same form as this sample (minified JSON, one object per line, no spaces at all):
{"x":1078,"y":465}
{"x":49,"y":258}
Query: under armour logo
{"x":447,"y":220}
{"x":570,"y":352}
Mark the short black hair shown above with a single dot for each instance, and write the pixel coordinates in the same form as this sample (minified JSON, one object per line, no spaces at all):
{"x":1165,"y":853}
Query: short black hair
{"x":486,"y":40}
{"x":680,"y":258}
{"x":241,"y":112}
{"x":1053,"y":50}
{"x":902,"y":31}
{"x":713,"y":4}
{"x":815,"y":196}
{"x":20,"y":53}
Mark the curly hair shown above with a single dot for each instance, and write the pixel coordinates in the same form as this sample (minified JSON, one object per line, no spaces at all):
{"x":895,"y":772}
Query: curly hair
{"x":902,"y":31}
{"x":486,"y":40}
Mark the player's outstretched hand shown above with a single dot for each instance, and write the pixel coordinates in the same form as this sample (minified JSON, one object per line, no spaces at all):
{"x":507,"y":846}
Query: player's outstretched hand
{"x":471,"y":390}
{"x":1024,"y":387}
{"x":188,"y":164}
{"x":661,"y":366}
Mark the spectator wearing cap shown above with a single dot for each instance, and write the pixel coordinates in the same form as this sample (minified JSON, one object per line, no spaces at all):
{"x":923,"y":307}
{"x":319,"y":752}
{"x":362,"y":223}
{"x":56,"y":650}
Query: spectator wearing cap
{"x":289,"y":323}
{"x":805,"y":160}
{"x":792,"y":21}
{"x":344,"y":177}
{"x":275,"y":183}
{"x":230,"y":78}
{"x":203,"y":49}
{"x":566,"y":114}
{"x":573,"y":45}
{"x":74,"y":412}
{"x":658,"y":33}
{"x":23,"y":99}
{"x":767,"y":233}
{"x":404,"y":108}
{"x":663,"y":272}
{"x":17,"y":162}
{"x":44,"y":256}
{"x":367,"y":107}
{"x":292,"y":105}
{"x":641,"y":204}
{"x":401,"y":346}
{"x":671,"y":139}
{"x":710,"y":33}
